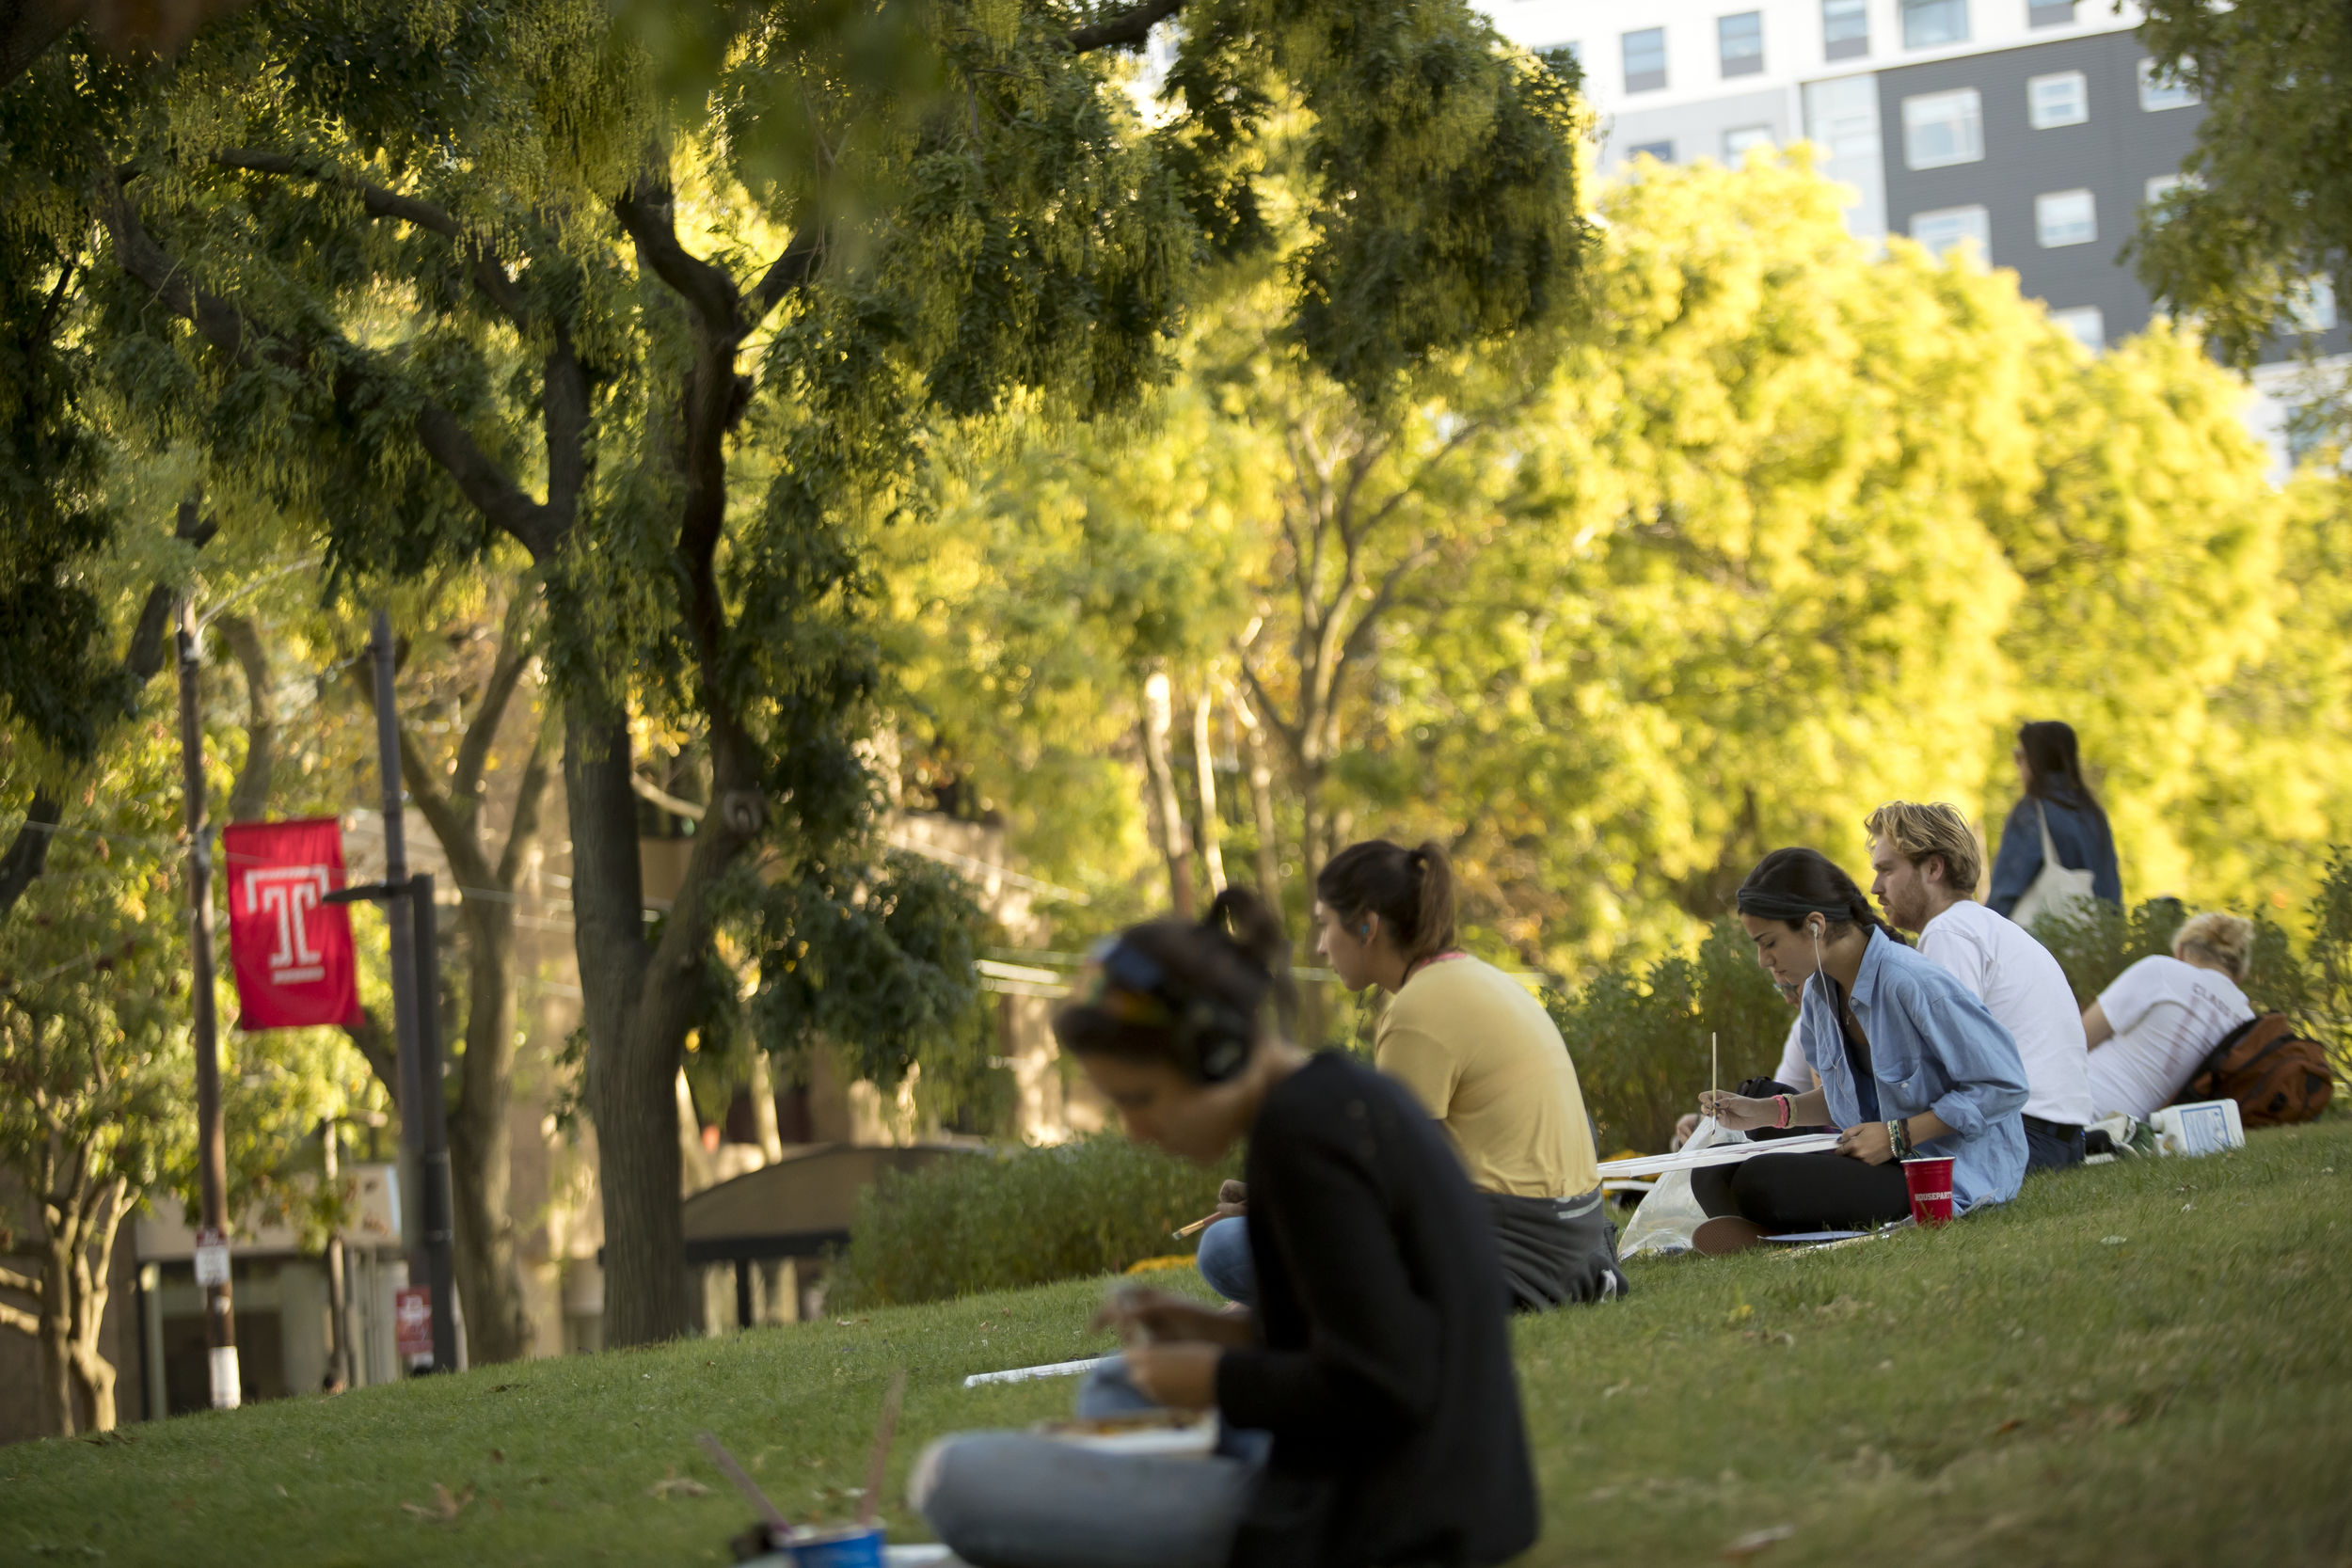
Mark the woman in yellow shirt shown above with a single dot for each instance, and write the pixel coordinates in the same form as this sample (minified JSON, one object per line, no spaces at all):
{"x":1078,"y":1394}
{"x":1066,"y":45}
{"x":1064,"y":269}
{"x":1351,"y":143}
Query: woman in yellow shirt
{"x":1480,"y":1052}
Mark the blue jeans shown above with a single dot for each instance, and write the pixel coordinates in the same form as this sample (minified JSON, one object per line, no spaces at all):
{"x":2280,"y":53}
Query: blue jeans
{"x":1224,"y":1260}
{"x":1010,"y":1499}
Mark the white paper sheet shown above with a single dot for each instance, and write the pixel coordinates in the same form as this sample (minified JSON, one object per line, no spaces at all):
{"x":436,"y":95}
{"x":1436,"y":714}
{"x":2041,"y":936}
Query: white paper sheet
{"x":1717,"y":1154}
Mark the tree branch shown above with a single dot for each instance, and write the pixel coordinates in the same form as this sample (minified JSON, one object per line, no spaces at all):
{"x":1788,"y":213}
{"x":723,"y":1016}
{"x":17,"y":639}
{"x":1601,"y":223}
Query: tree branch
{"x":28,"y":855}
{"x":20,"y":1320}
{"x":249,"y":344}
{"x":647,"y":211}
{"x":506,"y":672}
{"x":523,"y":829}
{"x":248,"y":798}
{"x":793,"y":270}
{"x":1128,"y":29}
{"x":378,"y":202}
{"x":23,"y":1284}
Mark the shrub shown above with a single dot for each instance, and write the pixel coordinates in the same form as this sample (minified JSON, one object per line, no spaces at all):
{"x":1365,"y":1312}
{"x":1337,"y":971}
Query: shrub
{"x":1639,"y":1035}
{"x":1026,"y":1216}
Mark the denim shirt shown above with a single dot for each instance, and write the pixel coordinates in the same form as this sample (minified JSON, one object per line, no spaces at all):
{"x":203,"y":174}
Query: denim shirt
{"x":1933,"y":1048}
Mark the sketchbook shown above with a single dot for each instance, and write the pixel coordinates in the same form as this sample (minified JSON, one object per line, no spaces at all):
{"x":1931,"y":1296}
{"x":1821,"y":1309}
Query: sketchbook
{"x":1717,"y":1154}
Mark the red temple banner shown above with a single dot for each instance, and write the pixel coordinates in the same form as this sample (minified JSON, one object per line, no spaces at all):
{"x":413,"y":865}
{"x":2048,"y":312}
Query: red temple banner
{"x":290,"y":948}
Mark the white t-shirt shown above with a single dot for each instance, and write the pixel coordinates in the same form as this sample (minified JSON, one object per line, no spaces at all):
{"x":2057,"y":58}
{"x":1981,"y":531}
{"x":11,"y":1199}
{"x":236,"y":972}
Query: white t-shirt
{"x":2166,"y":1016}
{"x":1794,"y":1070}
{"x":2022,"y":985}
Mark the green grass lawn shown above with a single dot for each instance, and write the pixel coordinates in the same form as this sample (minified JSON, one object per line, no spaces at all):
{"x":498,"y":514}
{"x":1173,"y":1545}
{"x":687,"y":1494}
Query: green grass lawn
{"x":2142,"y":1364}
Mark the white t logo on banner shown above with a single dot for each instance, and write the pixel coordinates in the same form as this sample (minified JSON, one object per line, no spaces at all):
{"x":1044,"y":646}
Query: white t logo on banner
{"x":289,"y":893}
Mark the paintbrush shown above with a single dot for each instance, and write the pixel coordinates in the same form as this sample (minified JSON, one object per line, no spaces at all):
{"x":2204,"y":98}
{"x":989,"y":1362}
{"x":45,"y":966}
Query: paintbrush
{"x":1195,"y":1228}
{"x":880,"y":1458}
{"x":777,"y":1524}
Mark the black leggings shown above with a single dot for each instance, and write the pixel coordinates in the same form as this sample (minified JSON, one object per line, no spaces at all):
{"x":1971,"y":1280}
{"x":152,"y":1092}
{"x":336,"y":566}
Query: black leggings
{"x":1786,"y":1192}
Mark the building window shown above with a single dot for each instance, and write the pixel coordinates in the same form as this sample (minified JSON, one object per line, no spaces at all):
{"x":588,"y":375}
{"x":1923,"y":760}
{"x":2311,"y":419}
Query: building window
{"x":2063,"y":218}
{"x":2158,"y":187}
{"x":2311,"y":305}
{"x":1661,"y":151}
{"x":1739,"y":43}
{"x":2085,"y":324}
{"x":1740,"y":138}
{"x":2060,"y":99}
{"x":1946,"y":228}
{"x":1931,"y":23}
{"x":1646,"y":60}
{"x":2163,"y":92}
{"x":1845,"y":28}
{"x":2050,"y":14}
{"x":1944,"y":128}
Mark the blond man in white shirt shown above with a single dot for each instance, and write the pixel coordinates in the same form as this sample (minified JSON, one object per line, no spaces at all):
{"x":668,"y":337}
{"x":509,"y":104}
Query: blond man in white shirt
{"x":1928,"y":865}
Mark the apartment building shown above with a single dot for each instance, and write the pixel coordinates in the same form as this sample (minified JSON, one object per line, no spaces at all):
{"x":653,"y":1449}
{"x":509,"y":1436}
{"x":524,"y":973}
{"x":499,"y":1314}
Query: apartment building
{"x":2033,"y":131}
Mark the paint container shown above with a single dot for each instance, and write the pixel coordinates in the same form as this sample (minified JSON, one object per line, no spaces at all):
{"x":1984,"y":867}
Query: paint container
{"x":852,"y":1546}
{"x":1930,"y":1185}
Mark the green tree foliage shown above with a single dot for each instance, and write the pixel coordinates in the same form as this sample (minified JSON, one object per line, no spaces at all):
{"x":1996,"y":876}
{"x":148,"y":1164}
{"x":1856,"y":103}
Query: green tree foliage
{"x":1790,"y":530}
{"x":674,"y":321}
{"x":97,"y":1115}
{"x":2265,"y":208}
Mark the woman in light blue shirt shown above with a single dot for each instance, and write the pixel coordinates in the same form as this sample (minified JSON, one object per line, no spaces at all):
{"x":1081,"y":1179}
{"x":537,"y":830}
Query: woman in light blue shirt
{"x":1910,"y":1061}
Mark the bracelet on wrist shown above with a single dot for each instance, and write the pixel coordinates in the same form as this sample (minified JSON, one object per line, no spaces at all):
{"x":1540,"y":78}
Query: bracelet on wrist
{"x":1898,"y":1138}
{"x":1782,"y":1100}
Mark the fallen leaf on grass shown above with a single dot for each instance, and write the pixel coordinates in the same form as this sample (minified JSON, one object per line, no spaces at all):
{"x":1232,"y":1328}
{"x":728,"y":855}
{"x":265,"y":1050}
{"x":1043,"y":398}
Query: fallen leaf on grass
{"x":1757,"y":1541}
{"x":2009,"y":1425}
{"x":676,"y":1485}
{"x":446,"y":1505}
{"x":2113,"y":1240}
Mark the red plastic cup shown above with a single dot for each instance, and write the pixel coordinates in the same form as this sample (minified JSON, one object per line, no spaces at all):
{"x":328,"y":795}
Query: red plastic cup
{"x":1929,"y":1181}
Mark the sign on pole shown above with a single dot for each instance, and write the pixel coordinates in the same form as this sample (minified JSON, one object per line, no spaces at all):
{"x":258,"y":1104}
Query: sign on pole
{"x":212,"y":1257}
{"x":412,"y":1324}
{"x":290,"y":947}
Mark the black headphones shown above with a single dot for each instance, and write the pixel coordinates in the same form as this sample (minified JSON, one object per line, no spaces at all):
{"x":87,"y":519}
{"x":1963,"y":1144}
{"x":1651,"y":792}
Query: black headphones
{"x":1213,"y":1038}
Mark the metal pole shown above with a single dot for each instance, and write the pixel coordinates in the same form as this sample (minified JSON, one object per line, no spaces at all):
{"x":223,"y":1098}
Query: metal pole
{"x":212,"y":1164}
{"x":405,"y":1007}
{"x":432,"y":1122}
{"x":338,"y":1286}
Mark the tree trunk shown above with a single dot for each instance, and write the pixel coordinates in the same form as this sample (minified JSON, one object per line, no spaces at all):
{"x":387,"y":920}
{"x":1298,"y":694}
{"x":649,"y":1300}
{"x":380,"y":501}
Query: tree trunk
{"x":630,"y":1095}
{"x":57,"y":1331}
{"x":1261,"y":775}
{"x":1159,"y":716}
{"x":1204,"y":772}
{"x":498,"y":1326}
{"x":93,"y":1264}
{"x":248,"y":798}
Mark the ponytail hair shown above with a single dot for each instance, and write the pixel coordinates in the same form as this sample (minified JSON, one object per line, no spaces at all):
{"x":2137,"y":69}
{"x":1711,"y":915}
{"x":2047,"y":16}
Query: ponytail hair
{"x":1188,"y":995}
{"x":1793,"y":884}
{"x":1410,"y":890}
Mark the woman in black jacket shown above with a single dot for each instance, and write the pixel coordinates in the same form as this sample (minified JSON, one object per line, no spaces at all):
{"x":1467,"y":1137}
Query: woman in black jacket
{"x":1377,"y":1358}
{"x":2055,"y":794}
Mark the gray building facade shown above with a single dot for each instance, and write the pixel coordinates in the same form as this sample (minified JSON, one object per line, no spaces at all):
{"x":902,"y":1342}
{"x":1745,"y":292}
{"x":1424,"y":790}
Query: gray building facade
{"x":2112,"y":153}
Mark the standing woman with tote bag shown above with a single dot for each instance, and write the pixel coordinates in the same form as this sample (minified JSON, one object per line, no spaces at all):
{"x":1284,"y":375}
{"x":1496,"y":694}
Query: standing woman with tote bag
{"x":2056,"y":851}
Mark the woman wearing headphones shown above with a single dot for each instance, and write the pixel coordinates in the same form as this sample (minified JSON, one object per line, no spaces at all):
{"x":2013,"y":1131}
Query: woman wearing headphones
{"x":1373,"y":1375}
{"x":1908,"y":1058}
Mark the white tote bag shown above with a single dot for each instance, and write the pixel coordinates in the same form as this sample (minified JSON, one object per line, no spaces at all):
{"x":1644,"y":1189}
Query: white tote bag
{"x":2055,"y":890}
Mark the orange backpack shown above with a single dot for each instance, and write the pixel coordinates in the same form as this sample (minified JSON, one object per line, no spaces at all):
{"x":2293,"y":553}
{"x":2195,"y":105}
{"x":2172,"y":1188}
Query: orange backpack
{"x":2275,"y":1075}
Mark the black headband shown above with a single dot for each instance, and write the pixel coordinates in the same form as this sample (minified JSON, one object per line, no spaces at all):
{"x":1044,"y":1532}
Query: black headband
{"x":1765,"y":904}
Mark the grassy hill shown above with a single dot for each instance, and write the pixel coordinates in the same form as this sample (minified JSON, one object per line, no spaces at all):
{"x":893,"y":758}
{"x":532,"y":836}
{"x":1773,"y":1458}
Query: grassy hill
{"x":2143,"y":1364}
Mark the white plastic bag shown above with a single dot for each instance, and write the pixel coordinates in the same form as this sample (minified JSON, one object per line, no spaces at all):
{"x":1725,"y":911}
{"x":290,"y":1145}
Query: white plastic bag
{"x":1667,"y":1216}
